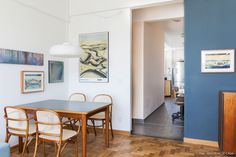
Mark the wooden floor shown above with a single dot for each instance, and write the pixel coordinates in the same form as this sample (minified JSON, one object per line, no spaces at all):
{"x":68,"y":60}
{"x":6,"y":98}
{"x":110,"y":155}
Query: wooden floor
{"x":131,"y":146}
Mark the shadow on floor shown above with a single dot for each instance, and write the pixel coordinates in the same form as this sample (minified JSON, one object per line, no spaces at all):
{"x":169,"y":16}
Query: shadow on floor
{"x":159,"y":123}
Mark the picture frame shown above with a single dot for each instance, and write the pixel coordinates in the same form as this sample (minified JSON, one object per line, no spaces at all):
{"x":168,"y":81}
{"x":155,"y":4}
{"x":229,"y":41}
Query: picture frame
{"x":8,"y":56}
{"x":32,"y":81}
{"x":94,"y":60}
{"x":55,"y":71}
{"x":217,"y":61}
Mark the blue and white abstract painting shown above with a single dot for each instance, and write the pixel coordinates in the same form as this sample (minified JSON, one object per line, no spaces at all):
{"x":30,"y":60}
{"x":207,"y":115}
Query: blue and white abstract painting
{"x":8,"y":56}
{"x":55,"y":71}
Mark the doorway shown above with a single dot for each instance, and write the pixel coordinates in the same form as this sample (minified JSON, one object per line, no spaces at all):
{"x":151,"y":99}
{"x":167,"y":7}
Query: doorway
{"x":158,"y":72}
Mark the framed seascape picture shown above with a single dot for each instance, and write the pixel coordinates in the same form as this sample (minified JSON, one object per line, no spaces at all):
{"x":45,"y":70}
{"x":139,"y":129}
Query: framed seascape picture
{"x":32,"y":81}
{"x":217,"y":61}
{"x":94,"y":60}
{"x":55,"y":71}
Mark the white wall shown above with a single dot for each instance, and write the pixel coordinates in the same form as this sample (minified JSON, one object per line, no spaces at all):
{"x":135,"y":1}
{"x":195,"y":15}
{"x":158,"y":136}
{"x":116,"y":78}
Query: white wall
{"x":153,"y":67}
{"x":24,"y":28}
{"x":137,"y":69}
{"x":118,"y":24}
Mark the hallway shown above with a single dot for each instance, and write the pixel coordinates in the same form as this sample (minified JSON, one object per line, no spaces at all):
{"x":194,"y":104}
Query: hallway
{"x":159,"y":123}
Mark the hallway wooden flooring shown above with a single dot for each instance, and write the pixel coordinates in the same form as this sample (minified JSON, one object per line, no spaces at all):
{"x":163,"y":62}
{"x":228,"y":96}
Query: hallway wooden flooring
{"x":131,"y":146}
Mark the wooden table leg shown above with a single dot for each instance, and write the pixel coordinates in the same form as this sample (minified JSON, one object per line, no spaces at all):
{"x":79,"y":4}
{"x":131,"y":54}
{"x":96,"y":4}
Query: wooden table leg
{"x":20,"y":147}
{"x":107,"y":127}
{"x":84,"y":135}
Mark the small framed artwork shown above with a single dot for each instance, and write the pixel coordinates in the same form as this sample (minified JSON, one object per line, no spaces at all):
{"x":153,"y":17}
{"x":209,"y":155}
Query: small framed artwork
{"x":55,"y":71}
{"x":32,"y":81}
{"x":217,"y":61}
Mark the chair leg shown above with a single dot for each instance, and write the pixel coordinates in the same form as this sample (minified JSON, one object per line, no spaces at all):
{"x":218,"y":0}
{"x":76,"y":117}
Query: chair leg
{"x":111,"y":128}
{"x":76,"y":147}
{"x":44,"y":153}
{"x":7,"y":138}
{"x":59,"y":150}
{"x":36,"y":146}
{"x":25,"y":145}
{"x":103,"y":126}
{"x":94,"y":129}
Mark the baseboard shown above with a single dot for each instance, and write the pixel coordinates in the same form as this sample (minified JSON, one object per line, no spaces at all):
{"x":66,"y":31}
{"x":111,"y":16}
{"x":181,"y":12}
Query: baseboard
{"x":137,"y":120}
{"x":201,"y":142}
{"x":115,"y":132}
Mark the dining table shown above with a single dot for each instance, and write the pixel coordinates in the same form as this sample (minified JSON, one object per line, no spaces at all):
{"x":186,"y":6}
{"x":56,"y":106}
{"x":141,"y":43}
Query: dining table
{"x":71,"y":109}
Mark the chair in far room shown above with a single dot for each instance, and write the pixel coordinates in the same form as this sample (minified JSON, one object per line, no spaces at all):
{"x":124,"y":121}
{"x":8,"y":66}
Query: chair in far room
{"x":101,"y":116}
{"x":179,"y":101}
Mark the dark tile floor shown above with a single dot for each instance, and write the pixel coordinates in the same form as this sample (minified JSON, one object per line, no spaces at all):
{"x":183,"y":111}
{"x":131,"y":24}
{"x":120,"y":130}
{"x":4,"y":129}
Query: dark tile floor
{"x":159,"y":123}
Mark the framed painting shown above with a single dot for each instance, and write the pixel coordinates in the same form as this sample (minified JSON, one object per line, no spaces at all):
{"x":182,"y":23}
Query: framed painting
{"x":55,"y":71}
{"x":94,"y":60}
{"x":32,"y":81}
{"x":8,"y":56}
{"x":217,"y":61}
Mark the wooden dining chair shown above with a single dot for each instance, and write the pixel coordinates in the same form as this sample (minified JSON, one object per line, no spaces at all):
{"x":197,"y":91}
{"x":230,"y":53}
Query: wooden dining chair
{"x":77,"y":97}
{"x":49,"y":128}
{"x":101,"y":116}
{"x":18,"y":124}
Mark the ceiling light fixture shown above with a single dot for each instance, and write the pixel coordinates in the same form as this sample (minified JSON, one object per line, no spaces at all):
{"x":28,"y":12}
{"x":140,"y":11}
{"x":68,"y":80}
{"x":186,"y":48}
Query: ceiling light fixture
{"x":66,"y":50}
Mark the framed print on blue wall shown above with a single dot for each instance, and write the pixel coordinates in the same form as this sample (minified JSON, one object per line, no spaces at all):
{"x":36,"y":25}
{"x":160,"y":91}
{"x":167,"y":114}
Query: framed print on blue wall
{"x":55,"y":71}
{"x":217,"y":61}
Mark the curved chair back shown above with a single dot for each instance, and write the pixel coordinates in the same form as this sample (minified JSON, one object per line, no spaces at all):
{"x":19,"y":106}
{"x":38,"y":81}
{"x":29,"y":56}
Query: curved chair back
{"x":17,"y":121}
{"x":77,"y":97}
{"x":48,"y":123}
{"x":104,"y":98}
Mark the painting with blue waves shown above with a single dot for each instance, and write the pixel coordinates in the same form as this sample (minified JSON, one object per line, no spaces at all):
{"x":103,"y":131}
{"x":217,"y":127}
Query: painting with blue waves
{"x":218,"y":60}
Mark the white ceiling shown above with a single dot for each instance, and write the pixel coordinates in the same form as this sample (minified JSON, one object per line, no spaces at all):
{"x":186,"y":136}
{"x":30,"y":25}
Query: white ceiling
{"x":174,"y":32}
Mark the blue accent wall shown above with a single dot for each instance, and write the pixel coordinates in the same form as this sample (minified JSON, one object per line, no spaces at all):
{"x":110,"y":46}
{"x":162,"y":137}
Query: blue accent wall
{"x":209,"y":24}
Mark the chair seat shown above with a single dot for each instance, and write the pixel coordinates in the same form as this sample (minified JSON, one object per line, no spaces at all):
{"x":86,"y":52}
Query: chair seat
{"x":32,"y":130}
{"x":67,"y":134}
{"x":98,"y":117}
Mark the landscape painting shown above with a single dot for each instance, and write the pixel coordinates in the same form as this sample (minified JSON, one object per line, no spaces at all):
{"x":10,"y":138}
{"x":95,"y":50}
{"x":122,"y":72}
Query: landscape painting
{"x":94,"y":62}
{"x":8,"y":56}
{"x":217,"y":60}
{"x":32,"y":81}
{"x":55,"y":71}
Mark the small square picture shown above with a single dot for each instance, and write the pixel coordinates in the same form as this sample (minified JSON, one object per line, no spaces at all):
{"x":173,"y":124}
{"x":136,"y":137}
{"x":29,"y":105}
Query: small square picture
{"x":55,"y":71}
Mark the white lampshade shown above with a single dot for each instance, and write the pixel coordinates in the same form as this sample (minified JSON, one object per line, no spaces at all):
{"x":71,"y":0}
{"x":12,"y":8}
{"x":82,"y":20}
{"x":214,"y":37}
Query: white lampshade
{"x":65,"y":50}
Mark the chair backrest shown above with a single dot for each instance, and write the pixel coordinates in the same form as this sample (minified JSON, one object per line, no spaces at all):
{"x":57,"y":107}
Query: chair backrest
{"x":104,"y":98}
{"x":16,"y":119}
{"x":48,"y":123}
{"x":77,"y":97}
